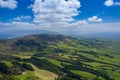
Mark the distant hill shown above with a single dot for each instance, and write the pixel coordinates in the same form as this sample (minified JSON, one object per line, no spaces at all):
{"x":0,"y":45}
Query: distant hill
{"x":106,"y":35}
{"x":45,"y":41}
{"x":32,"y":43}
{"x":19,"y":33}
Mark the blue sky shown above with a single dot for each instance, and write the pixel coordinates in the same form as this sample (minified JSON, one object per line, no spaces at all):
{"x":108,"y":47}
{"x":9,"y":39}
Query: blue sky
{"x":64,"y":16}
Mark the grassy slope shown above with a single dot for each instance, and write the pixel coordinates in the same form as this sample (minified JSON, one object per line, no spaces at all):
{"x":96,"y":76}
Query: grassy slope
{"x":27,"y":75}
{"x":43,"y":74}
{"x":37,"y":74}
{"x":84,"y":74}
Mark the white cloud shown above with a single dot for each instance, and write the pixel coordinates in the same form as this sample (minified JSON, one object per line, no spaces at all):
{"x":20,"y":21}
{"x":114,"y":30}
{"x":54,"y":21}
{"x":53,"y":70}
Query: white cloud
{"x":52,"y":13}
{"x":11,"y":4}
{"x":79,"y":23}
{"x":83,"y":22}
{"x":19,"y":18}
{"x":22,"y":24}
{"x":111,"y":3}
{"x":55,"y":12}
{"x":18,"y":24}
{"x":95,"y":19}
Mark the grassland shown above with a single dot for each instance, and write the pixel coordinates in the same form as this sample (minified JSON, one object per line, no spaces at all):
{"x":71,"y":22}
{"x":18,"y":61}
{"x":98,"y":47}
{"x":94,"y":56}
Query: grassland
{"x":62,"y":58}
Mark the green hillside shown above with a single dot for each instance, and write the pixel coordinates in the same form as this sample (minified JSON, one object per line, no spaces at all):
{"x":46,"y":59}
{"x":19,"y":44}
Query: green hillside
{"x":59,"y":57}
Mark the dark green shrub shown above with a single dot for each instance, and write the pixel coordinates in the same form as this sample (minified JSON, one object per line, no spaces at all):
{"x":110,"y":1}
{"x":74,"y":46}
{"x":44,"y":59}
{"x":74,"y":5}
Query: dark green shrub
{"x":4,"y":68}
{"x":27,"y":66}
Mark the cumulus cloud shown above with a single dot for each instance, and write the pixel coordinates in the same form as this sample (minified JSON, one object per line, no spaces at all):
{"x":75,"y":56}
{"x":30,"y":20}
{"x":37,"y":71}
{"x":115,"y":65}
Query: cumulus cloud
{"x":111,"y":3}
{"x":55,"y":12}
{"x":95,"y":19}
{"x":11,"y":4}
{"x":19,"y":18}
